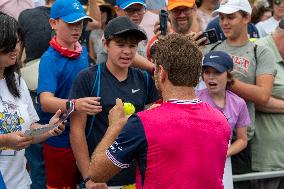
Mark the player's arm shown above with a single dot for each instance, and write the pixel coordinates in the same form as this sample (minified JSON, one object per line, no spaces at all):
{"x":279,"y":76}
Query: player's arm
{"x":101,"y":169}
{"x":258,"y":93}
{"x":274,"y":105}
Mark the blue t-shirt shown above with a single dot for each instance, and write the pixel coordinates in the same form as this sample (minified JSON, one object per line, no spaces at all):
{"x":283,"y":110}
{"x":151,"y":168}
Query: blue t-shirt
{"x":137,"y":89}
{"x":252,"y":30}
{"x":56,"y":75}
{"x":2,"y":183}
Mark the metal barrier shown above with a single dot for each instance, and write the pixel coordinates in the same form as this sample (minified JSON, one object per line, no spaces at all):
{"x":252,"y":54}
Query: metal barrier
{"x":258,"y":175}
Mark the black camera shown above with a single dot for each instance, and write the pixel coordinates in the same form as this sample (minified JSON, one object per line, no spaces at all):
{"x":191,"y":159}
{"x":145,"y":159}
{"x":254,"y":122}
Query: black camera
{"x":163,"y":21}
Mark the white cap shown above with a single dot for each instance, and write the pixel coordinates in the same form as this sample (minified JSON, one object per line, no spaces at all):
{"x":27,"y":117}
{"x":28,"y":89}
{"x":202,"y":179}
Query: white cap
{"x":231,"y":6}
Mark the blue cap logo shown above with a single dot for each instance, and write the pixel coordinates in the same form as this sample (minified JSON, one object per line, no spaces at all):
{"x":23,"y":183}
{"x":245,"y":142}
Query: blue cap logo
{"x":76,"y":6}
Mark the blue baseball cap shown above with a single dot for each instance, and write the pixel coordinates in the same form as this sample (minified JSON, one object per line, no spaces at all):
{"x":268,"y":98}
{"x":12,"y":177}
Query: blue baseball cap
{"x":70,"y":11}
{"x":218,"y":60}
{"x":123,"y":4}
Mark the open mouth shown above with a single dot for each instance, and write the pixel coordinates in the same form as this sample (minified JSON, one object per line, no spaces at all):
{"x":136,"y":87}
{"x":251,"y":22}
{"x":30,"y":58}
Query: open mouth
{"x":75,"y":35}
{"x":125,"y":59}
{"x":212,"y":84}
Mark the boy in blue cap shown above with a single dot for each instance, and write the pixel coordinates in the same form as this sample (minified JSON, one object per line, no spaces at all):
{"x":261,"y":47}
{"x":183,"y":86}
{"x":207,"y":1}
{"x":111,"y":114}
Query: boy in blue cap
{"x":58,"y":67}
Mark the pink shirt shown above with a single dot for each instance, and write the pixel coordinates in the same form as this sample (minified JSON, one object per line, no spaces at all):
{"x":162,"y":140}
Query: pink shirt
{"x":179,"y":145}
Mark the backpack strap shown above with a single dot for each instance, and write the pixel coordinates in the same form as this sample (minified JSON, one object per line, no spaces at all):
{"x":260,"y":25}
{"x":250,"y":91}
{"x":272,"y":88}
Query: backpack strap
{"x":254,"y":51}
{"x":214,"y":47}
{"x":97,"y":83}
{"x":147,"y":86}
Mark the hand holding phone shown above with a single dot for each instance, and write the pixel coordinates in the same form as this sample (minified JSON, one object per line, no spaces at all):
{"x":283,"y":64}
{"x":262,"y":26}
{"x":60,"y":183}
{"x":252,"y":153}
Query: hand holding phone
{"x":211,"y":37}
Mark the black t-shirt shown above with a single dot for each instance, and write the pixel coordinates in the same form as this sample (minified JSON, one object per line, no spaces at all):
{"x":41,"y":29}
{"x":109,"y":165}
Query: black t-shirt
{"x":138,"y":88}
{"x":36,"y":31}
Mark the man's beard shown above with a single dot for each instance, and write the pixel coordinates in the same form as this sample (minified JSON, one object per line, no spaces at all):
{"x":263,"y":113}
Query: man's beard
{"x":181,"y":29}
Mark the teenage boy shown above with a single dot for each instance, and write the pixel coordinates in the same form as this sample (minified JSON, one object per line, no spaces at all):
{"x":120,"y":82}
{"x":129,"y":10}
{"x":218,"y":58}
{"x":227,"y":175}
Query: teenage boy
{"x":109,"y":80}
{"x":58,"y":67}
{"x":253,"y":68}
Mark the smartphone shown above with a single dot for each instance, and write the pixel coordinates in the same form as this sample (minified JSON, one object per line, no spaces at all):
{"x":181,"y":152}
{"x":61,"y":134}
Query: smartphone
{"x":211,"y":37}
{"x":70,"y":109}
{"x":163,"y":16}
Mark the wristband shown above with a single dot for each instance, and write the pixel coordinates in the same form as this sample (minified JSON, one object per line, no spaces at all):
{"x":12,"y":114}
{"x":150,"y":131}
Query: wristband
{"x":86,"y":180}
{"x":74,"y":104}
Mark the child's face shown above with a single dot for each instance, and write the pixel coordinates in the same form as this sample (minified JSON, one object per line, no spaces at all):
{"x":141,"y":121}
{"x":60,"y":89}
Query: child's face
{"x":121,"y":53}
{"x":215,"y":81}
{"x":67,"y":32}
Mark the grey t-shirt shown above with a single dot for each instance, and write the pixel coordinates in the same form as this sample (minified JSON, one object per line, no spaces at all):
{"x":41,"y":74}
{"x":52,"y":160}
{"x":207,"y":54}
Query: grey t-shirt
{"x":246,"y":68}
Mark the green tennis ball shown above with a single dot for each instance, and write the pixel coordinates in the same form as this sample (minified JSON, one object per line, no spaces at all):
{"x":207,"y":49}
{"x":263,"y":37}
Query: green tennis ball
{"x":128,"y":108}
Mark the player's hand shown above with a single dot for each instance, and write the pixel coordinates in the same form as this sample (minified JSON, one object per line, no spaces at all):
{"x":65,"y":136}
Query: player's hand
{"x":91,"y":185}
{"x":89,"y":105}
{"x":17,"y":140}
{"x":116,"y":115}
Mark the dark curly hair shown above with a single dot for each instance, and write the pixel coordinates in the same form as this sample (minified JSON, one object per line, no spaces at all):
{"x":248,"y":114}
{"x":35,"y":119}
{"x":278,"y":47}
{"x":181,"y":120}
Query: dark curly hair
{"x":181,"y":57}
{"x":9,"y":35}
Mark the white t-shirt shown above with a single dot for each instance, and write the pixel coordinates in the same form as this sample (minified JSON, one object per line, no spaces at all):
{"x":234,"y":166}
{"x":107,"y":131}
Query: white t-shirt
{"x":266,"y":27}
{"x":16,"y":114}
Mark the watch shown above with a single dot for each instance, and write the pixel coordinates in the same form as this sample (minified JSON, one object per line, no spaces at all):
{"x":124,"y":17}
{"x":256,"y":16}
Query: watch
{"x":86,"y":180}
{"x":70,"y":104}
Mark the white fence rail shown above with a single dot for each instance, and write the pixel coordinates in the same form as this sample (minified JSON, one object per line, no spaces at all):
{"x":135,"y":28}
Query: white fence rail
{"x":258,"y":175}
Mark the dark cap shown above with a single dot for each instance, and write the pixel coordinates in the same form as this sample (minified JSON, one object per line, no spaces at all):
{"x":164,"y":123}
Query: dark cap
{"x":218,"y":60}
{"x":281,"y":24}
{"x":123,"y":24}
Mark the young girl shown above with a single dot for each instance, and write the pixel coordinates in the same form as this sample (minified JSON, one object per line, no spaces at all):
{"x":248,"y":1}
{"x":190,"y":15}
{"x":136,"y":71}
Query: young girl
{"x":17,"y":113}
{"x":216,"y":69}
